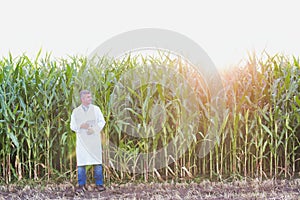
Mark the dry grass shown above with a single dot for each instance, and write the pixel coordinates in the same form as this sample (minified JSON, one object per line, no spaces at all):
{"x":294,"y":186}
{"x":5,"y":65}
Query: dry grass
{"x":269,"y":189}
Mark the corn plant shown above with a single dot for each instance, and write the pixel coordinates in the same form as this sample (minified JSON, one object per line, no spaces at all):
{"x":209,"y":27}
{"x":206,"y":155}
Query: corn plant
{"x":257,"y":135}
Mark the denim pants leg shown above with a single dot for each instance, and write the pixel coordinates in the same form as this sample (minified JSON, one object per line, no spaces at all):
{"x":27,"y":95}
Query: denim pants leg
{"x":81,"y":175}
{"x":98,"y":175}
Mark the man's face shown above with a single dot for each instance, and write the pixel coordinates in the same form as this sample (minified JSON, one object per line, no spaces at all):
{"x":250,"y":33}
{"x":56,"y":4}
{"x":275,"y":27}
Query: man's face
{"x":86,"y":99}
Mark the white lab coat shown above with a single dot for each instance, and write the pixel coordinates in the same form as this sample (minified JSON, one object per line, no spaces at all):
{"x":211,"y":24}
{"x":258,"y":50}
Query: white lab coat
{"x":88,"y":143}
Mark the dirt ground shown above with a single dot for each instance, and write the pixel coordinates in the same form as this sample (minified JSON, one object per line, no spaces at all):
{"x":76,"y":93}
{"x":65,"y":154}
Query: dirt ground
{"x":270,"y":189}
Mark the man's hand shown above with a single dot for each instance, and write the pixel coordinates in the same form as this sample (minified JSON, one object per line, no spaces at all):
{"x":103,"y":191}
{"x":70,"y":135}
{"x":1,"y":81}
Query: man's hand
{"x":84,"y":126}
{"x":90,"y":131}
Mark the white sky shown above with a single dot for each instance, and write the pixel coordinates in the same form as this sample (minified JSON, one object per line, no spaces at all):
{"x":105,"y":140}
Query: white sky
{"x":226,"y":29}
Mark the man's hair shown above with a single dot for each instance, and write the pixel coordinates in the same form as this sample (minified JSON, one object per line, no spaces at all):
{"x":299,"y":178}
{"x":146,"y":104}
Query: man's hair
{"x":84,"y":92}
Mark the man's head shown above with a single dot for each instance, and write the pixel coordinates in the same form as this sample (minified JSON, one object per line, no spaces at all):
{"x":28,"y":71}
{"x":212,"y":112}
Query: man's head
{"x":86,"y":97}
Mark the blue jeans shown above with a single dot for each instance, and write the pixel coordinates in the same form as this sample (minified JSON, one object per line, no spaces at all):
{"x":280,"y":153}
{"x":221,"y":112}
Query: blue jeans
{"x":98,"y":175}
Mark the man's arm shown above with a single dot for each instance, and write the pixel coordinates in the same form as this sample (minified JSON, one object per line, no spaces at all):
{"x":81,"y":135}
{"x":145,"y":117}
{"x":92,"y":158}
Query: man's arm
{"x":73,"y":124}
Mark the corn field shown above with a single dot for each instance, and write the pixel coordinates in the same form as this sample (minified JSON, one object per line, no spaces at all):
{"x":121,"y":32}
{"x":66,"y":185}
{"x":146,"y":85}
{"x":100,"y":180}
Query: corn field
{"x":257,"y":136}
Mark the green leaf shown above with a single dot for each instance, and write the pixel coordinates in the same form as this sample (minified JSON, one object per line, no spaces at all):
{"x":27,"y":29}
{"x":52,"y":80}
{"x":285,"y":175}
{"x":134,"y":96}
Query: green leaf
{"x":14,"y":139}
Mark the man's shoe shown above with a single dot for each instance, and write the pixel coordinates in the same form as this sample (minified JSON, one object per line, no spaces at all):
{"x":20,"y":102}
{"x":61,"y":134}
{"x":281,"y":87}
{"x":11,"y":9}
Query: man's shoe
{"x":80,"y":189}
{"x":100,"y":188}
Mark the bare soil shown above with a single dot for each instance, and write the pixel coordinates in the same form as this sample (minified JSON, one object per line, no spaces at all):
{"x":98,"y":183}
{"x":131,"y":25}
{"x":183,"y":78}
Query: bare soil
{"x":270,"y":189}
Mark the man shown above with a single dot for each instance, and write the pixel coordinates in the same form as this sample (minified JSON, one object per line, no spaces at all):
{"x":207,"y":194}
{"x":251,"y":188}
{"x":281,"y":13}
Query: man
{"x":87,"y":121}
